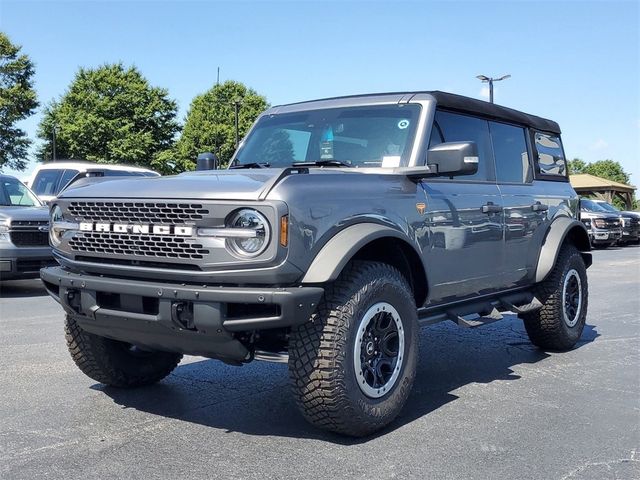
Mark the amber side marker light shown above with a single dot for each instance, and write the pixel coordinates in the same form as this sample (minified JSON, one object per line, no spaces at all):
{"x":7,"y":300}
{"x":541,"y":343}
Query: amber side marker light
{"x":284,"y":230}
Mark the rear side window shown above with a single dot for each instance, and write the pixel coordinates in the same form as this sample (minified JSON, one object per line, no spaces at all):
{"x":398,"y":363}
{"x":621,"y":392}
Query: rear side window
{"x":46,"y":182}
{"x":453,"y":127}
{"x":510,"y":153}
{"x":550,"y":159}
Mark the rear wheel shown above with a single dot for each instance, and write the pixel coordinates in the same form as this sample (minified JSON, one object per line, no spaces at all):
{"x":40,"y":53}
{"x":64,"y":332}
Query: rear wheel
{"x":564,"y":293}
{"x":115,"y":363}
{"x":353,"y":364}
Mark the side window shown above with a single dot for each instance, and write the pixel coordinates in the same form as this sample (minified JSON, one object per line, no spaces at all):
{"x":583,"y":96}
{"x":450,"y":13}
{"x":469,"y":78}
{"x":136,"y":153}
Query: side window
{"x":453,"y":127}
{"x":510,"y":152}
{"x":46,"y":182}
{"x":67,"y":176}
{"x":550,"y":159}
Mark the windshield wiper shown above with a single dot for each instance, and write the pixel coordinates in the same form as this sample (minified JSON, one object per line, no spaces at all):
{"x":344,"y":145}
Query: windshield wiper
{"x":251,"y":165}
{"x":322,"y":163}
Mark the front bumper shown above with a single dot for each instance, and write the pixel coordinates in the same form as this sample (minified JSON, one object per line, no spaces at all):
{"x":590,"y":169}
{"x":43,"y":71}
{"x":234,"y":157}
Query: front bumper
{"x":605,"y":236}
{"x":148,"y":313}
{"x":23,"y":262}
{"x":630,"y":233}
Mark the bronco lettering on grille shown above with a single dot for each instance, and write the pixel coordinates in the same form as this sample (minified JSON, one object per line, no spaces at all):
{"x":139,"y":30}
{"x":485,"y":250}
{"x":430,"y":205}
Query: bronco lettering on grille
{"x":181,"y":231}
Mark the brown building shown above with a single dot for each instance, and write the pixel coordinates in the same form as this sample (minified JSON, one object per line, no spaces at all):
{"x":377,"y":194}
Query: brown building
{"x":590,"y":185}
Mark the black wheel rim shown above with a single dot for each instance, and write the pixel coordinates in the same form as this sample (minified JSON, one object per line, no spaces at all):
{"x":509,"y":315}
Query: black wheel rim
{"x":378,"y":350}
{"x":572,"y":298}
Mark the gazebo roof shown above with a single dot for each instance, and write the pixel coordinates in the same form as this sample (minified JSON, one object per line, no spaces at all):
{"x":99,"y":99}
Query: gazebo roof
{"x":586,"y":181}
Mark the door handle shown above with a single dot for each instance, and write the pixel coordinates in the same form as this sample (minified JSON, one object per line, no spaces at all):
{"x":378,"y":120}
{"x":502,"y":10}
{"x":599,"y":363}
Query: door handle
{"x":539,"y":207}
{"x":490,"y":207}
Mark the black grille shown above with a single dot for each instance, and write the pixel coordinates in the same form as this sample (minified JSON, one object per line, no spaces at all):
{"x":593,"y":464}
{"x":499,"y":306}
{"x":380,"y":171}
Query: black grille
{"x":612,"y":222}
{"x":138,"y":212}
{"x":29,"y":238}
{"x":166,"y":246}
{"x":34,"y":265}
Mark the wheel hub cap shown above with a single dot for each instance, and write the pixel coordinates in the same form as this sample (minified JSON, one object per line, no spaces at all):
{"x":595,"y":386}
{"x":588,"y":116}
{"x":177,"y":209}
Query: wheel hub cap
{"x":378,"y":350}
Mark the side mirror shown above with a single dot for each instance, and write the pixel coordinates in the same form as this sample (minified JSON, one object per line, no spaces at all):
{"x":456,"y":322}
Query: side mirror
{"x":207,"y":161}
{"x":453,"y":158}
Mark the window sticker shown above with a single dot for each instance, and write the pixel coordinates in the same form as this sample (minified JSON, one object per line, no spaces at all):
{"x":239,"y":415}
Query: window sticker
{"x":404,"y":123}
{"x":391,"y":161}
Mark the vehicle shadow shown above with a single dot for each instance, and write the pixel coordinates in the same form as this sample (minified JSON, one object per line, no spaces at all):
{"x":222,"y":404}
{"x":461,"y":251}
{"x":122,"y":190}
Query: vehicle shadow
{"x":22,"y":288}
{"x":255,"y":398}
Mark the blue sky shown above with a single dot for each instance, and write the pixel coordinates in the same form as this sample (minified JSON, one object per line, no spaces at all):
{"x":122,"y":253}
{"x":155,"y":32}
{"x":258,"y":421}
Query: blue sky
{"x":575,"y":62}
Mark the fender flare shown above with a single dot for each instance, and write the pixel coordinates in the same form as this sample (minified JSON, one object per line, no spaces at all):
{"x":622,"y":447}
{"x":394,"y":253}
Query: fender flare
{"x":559,"y":230}
{"x":336,"y":253}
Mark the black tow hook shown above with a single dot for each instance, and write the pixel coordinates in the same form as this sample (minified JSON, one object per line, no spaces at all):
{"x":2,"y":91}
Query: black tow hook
{"x":73,"y":300}
{"x":182,"y":315}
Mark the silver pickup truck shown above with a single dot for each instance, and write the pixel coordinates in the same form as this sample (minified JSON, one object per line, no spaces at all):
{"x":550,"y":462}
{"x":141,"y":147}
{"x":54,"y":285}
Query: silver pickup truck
{"x":24,"y":232}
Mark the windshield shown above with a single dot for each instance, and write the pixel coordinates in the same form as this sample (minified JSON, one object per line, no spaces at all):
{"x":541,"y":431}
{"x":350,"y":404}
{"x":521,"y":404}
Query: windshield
{"x":591,"y":206}
{"x":607,"y":206}
{"x":376,"y":136}
{"x":15,"y":194}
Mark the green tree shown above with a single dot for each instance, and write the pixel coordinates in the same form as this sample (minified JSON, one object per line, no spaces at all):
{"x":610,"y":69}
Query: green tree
{"x":17,"y":102}
{"x":210,"y":123}
{"x":609,"y":169}
{"x":111,"y":114}
{"x":576,"y":166}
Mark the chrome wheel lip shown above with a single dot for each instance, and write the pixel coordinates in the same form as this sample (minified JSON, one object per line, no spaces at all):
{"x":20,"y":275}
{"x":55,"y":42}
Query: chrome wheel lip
{"x":570,"y":320}
{"x":369,"y":315}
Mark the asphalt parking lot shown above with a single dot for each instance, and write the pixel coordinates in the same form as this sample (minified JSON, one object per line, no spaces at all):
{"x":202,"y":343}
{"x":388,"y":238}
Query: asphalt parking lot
{"x":486,"y":405}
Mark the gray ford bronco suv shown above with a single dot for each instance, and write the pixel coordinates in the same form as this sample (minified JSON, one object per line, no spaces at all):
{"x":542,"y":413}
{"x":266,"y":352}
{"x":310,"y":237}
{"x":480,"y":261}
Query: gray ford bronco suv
{"x":340,"y":227}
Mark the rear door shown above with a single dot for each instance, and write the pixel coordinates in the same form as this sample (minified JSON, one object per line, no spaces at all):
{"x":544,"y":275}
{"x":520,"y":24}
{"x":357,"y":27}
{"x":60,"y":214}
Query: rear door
{"x":465,"y":217}
{"x":525,"y":214}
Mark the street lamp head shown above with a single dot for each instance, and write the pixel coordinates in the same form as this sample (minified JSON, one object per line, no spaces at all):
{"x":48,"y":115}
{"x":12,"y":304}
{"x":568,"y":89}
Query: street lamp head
{"x":504,"y":77}
{"x":483,"y":78}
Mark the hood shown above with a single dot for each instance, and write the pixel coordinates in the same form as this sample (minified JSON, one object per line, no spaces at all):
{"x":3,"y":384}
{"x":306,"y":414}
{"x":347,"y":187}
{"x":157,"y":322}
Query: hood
{"x":23,"y":213}
{"x":587,"y":213}
{"x":210,"y":185}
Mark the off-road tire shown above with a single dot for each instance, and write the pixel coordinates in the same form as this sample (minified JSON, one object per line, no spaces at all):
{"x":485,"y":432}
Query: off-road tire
{"x":547,"y":327}
{"x":321,"y":352}
{"x":113,"y":362}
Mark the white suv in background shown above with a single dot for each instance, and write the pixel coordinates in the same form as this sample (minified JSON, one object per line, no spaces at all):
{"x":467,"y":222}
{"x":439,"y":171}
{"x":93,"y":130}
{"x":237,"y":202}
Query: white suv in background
{"x":49,"y":179}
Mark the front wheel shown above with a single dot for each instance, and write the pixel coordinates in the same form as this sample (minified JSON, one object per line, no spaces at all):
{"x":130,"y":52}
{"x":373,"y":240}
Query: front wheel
{"x":353,"y":364}
{"x":116,"y":363}
{"x":564,"y":295}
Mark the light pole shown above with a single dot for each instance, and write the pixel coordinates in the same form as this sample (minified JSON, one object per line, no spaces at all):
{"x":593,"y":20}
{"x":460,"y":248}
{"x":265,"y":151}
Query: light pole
{"x":490,"y":80}
{"x":236,"y":105}
{"x":53,"y":134}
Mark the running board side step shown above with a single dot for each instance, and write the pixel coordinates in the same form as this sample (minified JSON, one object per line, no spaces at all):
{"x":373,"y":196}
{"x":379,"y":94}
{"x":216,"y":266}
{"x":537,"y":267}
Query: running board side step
{"x":466,"y":314}
{"x":475,"y":320}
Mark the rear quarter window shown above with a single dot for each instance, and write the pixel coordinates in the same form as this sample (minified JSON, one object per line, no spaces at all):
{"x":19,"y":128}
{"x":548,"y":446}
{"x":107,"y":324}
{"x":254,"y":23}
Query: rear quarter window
{"x":550,"y":161}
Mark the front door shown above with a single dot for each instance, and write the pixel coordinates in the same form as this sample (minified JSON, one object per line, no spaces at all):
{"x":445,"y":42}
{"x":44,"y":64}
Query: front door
{"x":465,"y":218}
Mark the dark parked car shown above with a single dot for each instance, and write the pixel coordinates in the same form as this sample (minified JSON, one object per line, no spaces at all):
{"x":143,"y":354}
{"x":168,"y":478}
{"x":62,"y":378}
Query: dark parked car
{"x":24,"y":231}
{"x":605,"y":228}
{"x":630,"y":222}
{"x":341,"y":227}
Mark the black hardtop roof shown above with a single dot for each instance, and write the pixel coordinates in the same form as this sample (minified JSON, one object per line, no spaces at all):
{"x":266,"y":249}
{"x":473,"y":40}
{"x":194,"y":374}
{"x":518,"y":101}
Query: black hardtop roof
{"x":462,"y":104}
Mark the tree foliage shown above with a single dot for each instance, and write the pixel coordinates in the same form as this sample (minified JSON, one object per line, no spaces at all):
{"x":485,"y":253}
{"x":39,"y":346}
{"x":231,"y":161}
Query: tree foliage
{"x":17,"y":102}
{"x":609,"y":169}
{"x":210,"y":123}
{"x":111,"y":114}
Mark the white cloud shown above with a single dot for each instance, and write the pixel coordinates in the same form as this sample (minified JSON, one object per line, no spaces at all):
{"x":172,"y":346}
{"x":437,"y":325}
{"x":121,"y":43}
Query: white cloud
{"x":484,"y":92}
{"x":599,"y":144}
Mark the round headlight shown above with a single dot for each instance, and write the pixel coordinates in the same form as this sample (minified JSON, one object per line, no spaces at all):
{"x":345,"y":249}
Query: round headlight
{"x":55,"y":234}
{"x":249,"y":233}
